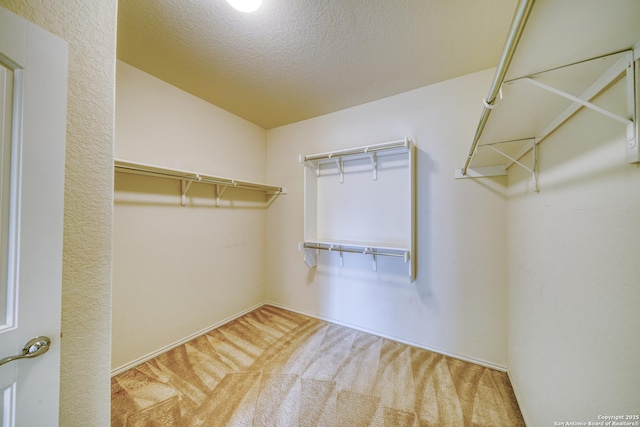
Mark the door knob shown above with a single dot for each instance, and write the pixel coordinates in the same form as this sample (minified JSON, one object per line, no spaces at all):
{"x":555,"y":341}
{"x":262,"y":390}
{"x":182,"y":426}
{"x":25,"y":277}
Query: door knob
{"x":34,"y":348}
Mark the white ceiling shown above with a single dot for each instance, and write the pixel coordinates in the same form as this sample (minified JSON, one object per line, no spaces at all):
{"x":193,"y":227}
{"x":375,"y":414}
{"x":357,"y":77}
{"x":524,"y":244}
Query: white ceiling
{"x":296,"y":59}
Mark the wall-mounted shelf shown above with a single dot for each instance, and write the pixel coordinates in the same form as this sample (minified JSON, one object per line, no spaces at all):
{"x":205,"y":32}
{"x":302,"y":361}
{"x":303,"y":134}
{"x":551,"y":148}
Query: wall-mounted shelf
{"x":365,"y":248}
{"x":371,"y":152}
{"x":187,"y":178}
{"x":358,"y":200}
{"x":526,"y":106}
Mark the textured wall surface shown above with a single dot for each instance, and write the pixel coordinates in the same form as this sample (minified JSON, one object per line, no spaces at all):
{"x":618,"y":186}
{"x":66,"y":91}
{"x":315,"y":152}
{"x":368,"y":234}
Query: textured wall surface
{"x":457,"y":305}
{"x":573,"y":274}
{"x":90,"y":30}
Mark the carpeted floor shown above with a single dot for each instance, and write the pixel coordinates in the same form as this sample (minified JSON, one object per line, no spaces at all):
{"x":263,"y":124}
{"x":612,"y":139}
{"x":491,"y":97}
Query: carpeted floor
{"x":273,"y":367}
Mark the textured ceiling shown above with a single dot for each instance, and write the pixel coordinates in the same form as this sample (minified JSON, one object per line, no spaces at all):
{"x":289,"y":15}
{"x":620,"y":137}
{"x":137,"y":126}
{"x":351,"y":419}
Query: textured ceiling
{"x":296,"y":59}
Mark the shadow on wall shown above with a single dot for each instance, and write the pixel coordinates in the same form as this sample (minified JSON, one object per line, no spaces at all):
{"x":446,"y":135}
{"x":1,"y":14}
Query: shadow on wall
{"x":426,"y":168}
{"x":579,"y":155}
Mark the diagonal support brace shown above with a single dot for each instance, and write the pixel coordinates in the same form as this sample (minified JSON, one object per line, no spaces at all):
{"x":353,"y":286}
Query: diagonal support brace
{"x":532,"y":170}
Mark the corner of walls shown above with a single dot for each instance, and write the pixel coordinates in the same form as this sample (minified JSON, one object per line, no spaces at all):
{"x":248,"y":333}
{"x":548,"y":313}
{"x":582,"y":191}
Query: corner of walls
{"x":457,"y":304}
{"x":198,"y":263}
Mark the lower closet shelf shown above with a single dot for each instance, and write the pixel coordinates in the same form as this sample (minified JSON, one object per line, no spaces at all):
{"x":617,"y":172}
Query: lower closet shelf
{"x":312,"y":248}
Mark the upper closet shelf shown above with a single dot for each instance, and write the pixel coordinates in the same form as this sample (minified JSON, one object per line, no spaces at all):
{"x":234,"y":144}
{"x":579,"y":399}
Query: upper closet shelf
{"x":371,"y":152}
{"x":528,"y":107}
{"x":187,"y":178}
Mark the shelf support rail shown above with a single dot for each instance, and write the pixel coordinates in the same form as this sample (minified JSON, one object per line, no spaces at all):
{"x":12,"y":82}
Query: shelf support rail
{"x":577,"y":100}
{"x":517,"y":26}
{"x":629,"y":123}
{"x":624,"y":65}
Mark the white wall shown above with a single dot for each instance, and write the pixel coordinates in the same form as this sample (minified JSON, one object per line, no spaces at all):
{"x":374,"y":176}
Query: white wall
{"x":457,"y":305}
{"x":180,"y":269}
{"x":574,"y":275}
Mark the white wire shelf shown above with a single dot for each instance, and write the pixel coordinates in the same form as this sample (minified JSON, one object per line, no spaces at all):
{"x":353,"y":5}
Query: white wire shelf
{"x":393,"y":147}
{"x":516,"y":128}
{"x":188,"y":177}
{"x":525,"y":105}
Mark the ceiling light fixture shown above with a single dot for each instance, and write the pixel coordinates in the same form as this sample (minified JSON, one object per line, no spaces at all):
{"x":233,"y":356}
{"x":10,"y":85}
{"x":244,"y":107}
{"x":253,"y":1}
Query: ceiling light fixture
{"x":245,"y":5}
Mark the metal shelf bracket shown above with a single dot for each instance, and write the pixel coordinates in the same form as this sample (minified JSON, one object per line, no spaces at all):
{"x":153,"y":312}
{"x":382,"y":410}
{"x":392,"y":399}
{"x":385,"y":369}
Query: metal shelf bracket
{"x":626,"y":66}
{"x":220,"y":192}
{"x":184,"y":187}
{"x":310,"y":255}
{"x":374,"y":164}
{"x":577,"y":100}
{"x":533,"y":170}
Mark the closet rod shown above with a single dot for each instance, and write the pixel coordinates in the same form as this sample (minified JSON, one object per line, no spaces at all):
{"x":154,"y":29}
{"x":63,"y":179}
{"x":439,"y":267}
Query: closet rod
{"x":366,"y":251}
{"x":517,"y":26}
{"x":401,"y":144}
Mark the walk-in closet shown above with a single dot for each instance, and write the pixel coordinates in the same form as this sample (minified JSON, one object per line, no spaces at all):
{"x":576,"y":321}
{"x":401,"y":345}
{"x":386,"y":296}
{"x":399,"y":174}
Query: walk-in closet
{"x":328,"y":213}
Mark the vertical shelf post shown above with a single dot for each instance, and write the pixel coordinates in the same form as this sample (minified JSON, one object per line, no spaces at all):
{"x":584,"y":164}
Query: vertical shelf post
{"x":633,"y":100}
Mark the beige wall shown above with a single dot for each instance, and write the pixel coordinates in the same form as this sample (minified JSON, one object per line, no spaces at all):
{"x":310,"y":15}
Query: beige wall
{"x":573,"y":248}
{"x":457,"y":304}
{"x":202,"y":264}
{"x":181,"y":269}
{"x":574,"y":273}
{"x":90,"y":29}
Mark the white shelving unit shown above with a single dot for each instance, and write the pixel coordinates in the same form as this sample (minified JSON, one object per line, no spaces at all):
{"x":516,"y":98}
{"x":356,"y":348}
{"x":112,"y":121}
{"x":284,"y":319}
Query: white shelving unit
{"x":526,"y":104}
{"x":361,"y":200}
{"x":187,"y":178}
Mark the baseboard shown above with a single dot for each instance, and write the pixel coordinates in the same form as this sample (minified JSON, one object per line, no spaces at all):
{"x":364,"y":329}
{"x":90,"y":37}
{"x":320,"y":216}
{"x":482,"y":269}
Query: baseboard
{"x":381,"y":335}
{"x":514,"y":387}
{"x":164,"y":349}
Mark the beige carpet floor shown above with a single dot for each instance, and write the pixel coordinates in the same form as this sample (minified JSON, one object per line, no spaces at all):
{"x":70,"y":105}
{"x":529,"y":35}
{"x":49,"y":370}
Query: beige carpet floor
{"x":272,"y":367}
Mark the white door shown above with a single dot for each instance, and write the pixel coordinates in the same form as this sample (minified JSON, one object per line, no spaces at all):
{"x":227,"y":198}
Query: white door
{"x":33,"y":76}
